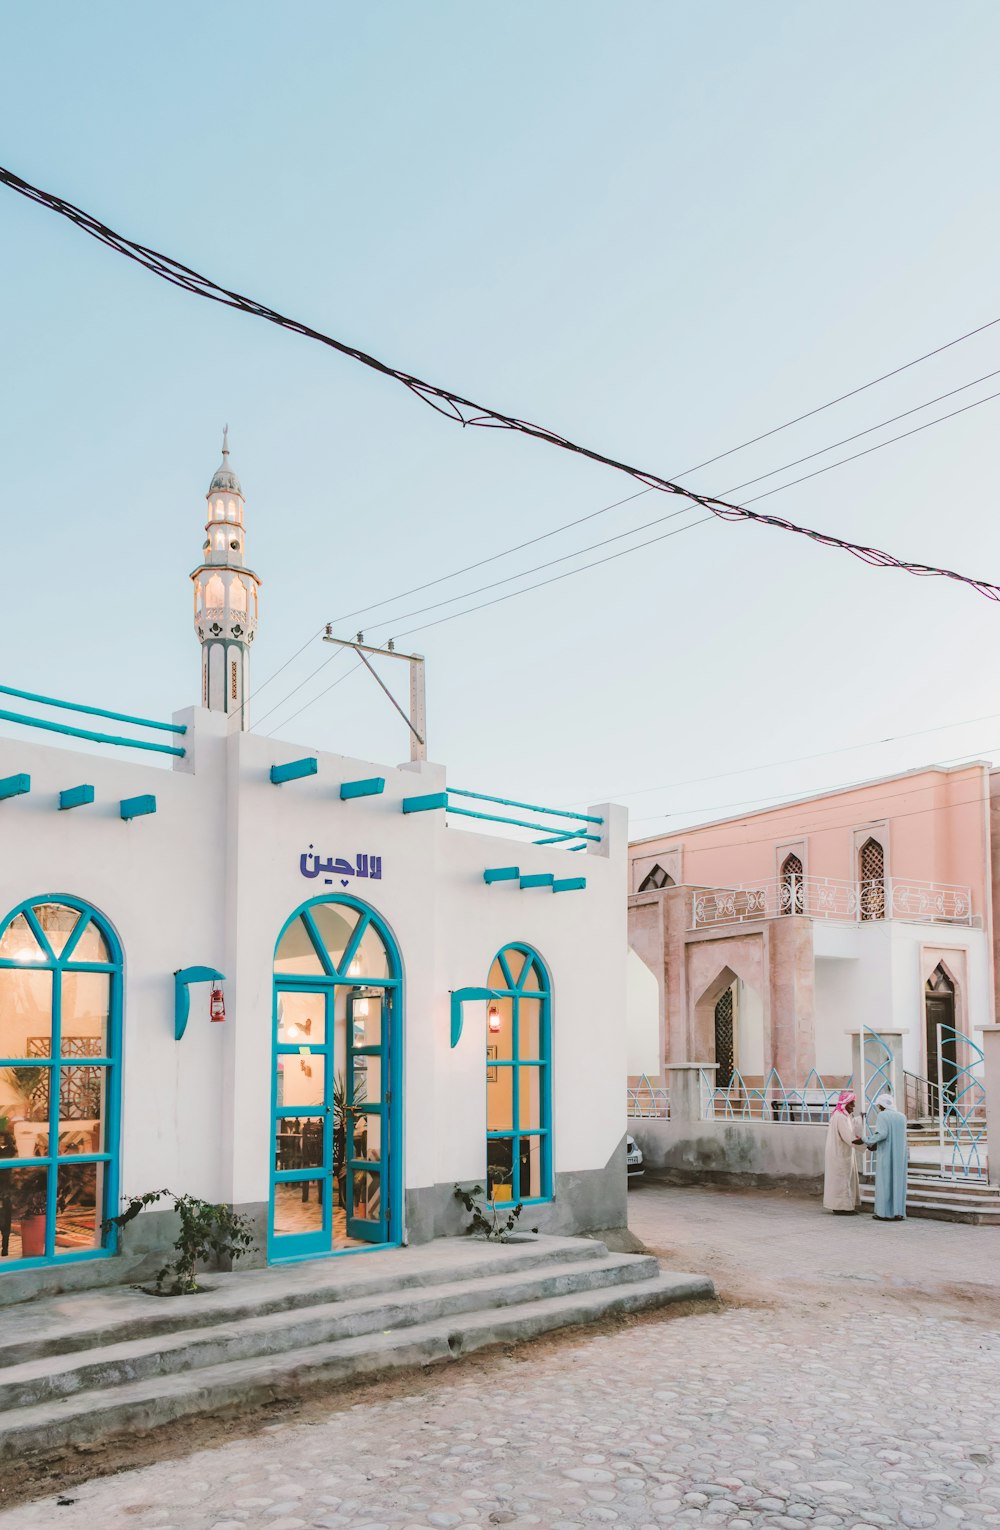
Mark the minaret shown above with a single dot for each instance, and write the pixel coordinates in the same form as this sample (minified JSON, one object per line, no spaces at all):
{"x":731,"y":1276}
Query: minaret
{"x":225,"y":597}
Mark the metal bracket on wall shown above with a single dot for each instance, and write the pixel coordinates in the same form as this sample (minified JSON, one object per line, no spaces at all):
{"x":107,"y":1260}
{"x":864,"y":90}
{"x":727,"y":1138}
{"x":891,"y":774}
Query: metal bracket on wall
{"x":460,"y":996}
{"x":183,"y":978}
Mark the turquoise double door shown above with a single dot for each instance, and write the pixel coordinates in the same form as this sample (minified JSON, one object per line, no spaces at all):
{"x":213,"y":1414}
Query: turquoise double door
{"x":334,"y":1130}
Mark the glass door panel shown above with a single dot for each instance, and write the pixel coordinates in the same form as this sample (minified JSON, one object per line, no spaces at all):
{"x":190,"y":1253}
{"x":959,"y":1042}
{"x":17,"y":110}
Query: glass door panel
{"x":367,"y":1111}
{"x":302,"y":1125}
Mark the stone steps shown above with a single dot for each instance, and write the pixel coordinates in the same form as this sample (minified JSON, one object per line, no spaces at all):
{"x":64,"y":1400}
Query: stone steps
{"x":940,"y":1199}
{"x":239,"y":1353}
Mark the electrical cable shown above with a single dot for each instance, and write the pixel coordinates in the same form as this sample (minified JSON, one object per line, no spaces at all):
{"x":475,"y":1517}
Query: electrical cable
{"x":809,"y":828}
{"x":841,"y":397}
{"x":306,"y":705}
{"x":337,"y":653}
{"x":388,"y":622}
{"x":634,"y":531}
{"x":454,"y":406}
{"x":822,"y":791}
{"x":798,"y":759}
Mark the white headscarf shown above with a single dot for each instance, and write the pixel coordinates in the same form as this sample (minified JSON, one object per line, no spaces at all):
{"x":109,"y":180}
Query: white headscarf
{"x":885,"y":1102}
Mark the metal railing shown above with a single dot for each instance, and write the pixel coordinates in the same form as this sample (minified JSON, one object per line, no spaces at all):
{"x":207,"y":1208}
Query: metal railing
{"x":23,"y":719}
{"x":833,"y":898}
{"x":920,"y":1098}
{"x":574,"y":833}
{"x":647,"y":1100}
{"x":810,"y":1103}
{"x":961,"y":1093}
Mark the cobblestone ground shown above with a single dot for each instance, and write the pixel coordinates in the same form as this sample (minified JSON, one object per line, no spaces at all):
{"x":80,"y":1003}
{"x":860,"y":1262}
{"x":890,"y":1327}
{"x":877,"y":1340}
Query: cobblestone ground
{"x":836,"y":1404}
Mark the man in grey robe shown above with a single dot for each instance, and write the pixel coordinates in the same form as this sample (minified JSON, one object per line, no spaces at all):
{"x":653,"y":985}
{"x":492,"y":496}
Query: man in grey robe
{"x":887,"y":1138}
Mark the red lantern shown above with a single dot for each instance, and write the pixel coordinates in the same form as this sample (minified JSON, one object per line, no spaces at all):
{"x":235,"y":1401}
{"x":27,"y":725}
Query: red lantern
{"x":217,"y":1010}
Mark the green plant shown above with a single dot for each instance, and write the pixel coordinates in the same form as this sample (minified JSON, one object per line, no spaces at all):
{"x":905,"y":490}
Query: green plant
{"x":208,"y":1231}
{"x":342,"y":1106}
{"x":488,"y":1217}
{"x":29,"y":1194}
{"x":32,"y":1084}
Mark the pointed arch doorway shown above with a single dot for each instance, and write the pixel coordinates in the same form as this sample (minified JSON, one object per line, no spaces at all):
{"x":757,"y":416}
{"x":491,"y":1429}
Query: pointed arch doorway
{"x":941,"y":1036}
{"x":335,"y":1083}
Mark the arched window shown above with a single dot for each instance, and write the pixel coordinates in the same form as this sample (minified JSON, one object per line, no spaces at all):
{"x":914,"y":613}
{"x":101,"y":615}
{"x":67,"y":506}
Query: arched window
{"x":215,"y":592}
{"x":518,"y":1086}
{"x":656,"y":879}
{"x":725,"y":1040}
{"x":60,"y":1024}
{"x":336,"y":1081}
{"x":791,"y":891}
{"x":871,"y":875}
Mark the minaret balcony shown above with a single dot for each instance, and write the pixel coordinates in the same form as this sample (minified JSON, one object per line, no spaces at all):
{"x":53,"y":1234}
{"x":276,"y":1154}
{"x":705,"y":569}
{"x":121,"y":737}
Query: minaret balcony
{"x":218,"y":622}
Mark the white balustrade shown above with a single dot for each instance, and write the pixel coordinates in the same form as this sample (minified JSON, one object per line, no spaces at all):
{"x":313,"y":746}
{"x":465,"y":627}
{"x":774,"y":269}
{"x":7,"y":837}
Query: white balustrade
{"x":834,"y":898}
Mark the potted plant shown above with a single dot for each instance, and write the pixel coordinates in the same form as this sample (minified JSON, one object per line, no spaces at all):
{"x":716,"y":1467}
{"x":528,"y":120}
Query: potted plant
{"x":31,"y":1085}
{"x":30,"y":1210}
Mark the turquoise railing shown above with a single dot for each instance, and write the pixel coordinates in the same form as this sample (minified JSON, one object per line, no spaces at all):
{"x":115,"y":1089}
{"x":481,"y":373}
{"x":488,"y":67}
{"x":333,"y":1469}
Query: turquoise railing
{"x":574,"y":838}
{"x":798,"y":1105}
{"x":962,"y":1105}
{"x":24,"y":720}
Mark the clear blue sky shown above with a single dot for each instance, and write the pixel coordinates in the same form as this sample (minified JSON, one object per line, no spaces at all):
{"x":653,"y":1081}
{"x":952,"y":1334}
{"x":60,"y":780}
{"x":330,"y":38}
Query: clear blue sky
{"x":658,"y":228}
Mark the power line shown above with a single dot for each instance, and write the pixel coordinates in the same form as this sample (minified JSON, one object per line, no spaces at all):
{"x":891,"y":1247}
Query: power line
{"x":841,"y":397}
{"x":809,"y":828}
{"x":454,"y":406}
{"x":312,"y":674}
{"x":306,"y":705}
{"x":425,"y":626}
{"x":798,"y":759}
{"x":871,"y":428}
{"x":389,"y":622}
{"x":826,"y":791}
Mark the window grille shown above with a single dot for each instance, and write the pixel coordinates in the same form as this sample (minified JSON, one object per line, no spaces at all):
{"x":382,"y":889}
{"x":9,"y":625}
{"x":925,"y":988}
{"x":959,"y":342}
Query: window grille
{"x":232,"y":683}
{"x":792,"y":901}
{"x":724,"y":1046}
{"x":872,"y":877}
{"x":655,"y":880}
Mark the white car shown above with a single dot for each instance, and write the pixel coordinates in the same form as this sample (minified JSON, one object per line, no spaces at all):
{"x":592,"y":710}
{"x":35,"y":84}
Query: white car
{"x":633,"y":1158}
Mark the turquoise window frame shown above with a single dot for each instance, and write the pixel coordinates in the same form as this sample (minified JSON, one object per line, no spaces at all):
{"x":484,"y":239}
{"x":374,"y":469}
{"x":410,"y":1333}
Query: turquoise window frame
{"x":515,"y":992}
{"x":317,"y":1245}
{"x":50,"y":1164}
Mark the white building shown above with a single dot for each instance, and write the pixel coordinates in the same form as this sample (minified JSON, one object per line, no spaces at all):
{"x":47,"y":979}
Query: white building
{"x":408,"y":1004}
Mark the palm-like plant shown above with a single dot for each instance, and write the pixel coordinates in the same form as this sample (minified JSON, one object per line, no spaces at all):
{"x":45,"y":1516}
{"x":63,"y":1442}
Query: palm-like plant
{"x":344,"y":1103}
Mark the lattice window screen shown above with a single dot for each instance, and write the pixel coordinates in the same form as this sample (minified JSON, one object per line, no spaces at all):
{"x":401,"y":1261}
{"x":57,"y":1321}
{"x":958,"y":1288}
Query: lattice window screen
{"x":792,"y":901}
{"x":724,"y":1045}
{"x":872,"y":877}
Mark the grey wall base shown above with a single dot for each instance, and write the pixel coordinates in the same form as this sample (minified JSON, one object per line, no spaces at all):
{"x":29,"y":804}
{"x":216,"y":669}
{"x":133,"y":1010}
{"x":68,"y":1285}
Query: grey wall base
{"x":590,"y":1200}
{"x":751,"y":1153}
{"x":145,"y":1246}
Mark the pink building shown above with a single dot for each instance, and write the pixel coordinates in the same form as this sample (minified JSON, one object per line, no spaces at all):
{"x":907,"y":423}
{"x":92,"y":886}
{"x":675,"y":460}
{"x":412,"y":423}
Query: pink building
{"x":764,"y":941}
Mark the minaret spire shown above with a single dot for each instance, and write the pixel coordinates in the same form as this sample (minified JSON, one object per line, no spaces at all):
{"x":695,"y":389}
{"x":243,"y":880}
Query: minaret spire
{"x":225,"y":597}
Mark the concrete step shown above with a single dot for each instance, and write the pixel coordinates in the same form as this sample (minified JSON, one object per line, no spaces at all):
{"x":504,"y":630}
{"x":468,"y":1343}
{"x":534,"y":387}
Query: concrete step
{"x":188,"y":1349}
{"x":944,"y":1200}
{"x":144,"y":1404}
{"x":89,"y":1320}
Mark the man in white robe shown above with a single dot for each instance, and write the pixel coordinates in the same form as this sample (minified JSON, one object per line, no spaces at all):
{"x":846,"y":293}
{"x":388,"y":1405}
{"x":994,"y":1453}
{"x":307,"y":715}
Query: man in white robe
{"x":841,"y":1189}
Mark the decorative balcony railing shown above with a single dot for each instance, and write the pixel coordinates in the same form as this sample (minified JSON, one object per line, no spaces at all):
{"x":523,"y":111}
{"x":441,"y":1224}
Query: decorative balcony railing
{"x":768,"y":1100}
{"x":833,"y":898}
{"x":647,"y":1100}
